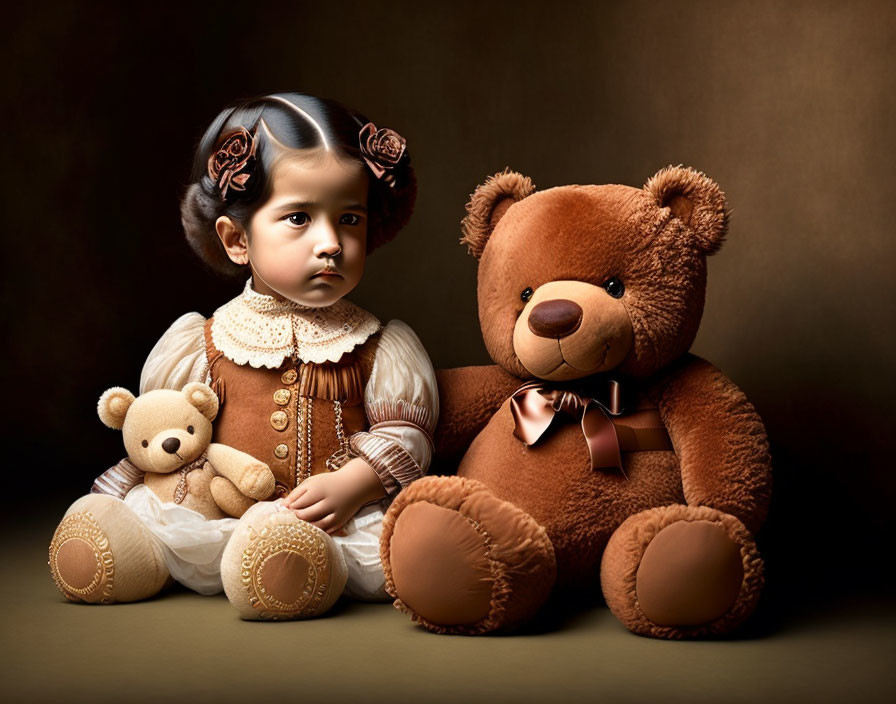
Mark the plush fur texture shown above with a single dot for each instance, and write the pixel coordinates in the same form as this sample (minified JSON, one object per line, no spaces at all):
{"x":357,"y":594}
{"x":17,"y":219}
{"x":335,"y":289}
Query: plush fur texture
{"x":622,"y":272}
{"x":488,"y":204}
{"x":468,"y":397}
{"x":696,"y":201}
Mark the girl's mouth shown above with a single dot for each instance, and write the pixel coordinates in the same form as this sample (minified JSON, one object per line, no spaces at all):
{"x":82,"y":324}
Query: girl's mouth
{"x":328,"y":273}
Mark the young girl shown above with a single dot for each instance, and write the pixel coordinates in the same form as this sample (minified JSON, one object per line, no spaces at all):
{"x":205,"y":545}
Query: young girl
{"x":292,"y":192}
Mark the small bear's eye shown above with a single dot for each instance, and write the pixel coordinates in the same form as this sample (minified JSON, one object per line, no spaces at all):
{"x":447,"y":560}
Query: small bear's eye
{"x":145,"y":444}
{"x":614,"y":287}
{"x":190,"y":429}
{"x":526,"y":294}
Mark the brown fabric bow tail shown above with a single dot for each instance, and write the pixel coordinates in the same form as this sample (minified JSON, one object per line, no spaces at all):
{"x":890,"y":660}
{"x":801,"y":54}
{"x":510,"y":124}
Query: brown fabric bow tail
{"x":534,"y":407}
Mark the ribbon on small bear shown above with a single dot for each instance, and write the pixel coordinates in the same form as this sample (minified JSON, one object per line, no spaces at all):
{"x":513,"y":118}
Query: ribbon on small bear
{"x":535,"y":405}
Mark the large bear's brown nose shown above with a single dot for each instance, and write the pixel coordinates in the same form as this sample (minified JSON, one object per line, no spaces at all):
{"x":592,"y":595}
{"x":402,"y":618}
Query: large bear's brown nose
{"x":170,"y":445}
{"x":557,"y":318}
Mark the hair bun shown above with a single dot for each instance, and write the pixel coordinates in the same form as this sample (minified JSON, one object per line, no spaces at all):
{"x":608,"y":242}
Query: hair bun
{"x":199,"y":210}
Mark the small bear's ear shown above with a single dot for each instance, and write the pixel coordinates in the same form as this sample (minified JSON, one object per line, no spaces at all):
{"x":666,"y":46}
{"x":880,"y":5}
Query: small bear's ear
{"x":488,"y":204}
{"x":202,"y":396}
{"x":696,"y":200}
{"x":113,"y":406}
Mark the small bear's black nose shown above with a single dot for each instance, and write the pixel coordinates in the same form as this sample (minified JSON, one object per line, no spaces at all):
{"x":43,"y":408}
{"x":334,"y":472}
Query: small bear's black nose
{"x":170,"y":445}
{"x":557,"y":318}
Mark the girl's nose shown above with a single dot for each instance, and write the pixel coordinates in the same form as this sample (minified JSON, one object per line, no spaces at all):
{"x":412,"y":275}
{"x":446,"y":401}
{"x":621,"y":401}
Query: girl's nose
{"x":327,"y":244}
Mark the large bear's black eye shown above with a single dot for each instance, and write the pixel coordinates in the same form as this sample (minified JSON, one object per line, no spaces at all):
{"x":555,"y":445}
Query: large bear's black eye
{"x":145,"y":444}
{"x":614,"y":287}
{"x":526,"y":294}
{"x":190,"y":429}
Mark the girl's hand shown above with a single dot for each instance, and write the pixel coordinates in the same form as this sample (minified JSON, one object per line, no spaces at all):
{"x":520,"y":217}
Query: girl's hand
{"x":329,"y":500}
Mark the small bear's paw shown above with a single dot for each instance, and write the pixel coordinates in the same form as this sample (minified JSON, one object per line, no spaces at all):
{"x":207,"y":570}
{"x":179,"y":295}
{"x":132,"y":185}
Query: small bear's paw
{"x":228,"y":498}
{"x":257,"y":481}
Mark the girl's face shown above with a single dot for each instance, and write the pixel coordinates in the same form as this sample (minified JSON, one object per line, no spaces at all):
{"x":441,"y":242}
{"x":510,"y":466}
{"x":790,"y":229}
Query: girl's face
{"x":308,"y":242}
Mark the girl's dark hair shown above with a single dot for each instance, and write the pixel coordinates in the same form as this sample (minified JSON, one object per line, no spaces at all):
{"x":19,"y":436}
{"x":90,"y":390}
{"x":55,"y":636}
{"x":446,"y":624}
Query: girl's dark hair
{"x":296,"y":121}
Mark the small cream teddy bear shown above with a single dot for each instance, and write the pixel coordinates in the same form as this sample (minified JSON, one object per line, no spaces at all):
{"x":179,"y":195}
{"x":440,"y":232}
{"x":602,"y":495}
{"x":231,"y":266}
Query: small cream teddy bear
{"x":177,"y":499}
{"x":167,"y":435}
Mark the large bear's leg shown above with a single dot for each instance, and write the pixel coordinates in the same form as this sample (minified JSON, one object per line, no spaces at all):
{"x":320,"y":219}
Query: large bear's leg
{"x":101,"y":553}
{"x":459,"y":560}
{"x":681,"y":572}
{"x":277,"y":566}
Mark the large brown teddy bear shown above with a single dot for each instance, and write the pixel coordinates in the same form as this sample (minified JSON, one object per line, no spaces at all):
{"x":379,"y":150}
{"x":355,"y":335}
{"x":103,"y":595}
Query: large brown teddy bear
{"x":603,"y":449}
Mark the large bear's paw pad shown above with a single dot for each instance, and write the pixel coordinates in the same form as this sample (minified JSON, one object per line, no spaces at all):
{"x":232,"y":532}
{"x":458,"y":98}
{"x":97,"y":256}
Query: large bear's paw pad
{"x":681,"y":572}
{"x":690,"y":574}
{"x":80,"y":560}
{"x":441,"y":566}
{"x":460,"y":560}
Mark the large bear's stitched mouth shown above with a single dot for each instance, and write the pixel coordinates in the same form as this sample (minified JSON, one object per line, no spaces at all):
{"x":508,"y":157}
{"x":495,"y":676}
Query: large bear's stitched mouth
{"x":579,"y":372}
{"x":584,"y":371}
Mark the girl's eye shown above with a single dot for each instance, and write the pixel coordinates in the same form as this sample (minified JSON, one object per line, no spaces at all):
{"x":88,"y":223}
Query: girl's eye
{"x":349,"y":219}
{"x":526,"y":294}
{"x":298,"y":219}
{"x":614,"y":287}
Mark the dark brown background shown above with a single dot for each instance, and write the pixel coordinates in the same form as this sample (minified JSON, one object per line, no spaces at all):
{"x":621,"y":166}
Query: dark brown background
{"x":790,"y":107}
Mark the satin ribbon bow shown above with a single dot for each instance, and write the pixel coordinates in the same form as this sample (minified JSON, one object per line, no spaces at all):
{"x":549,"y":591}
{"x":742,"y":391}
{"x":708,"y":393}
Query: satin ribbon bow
{"x":534,"y":406}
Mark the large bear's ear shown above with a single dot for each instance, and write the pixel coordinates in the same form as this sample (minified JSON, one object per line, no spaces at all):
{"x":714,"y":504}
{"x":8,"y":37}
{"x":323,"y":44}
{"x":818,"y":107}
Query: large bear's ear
{"x":113,"y":406}
{"x":488,"y":204}
{"x":694,"y":199}
{"x":203,"y":398}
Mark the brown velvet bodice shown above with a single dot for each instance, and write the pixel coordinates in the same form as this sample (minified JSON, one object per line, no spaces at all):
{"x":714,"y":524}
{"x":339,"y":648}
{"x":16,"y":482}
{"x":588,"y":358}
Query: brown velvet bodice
{"x":298,"y":417}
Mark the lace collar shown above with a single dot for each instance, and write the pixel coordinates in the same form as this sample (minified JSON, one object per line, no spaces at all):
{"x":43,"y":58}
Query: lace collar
{"x":262,"y":330}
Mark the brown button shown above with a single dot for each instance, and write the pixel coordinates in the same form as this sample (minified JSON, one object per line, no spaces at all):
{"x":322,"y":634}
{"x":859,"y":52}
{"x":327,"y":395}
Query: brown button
{"x":279,"y":420}
{"x":281,"y":397}
{"x":289,"y":376}
{"x":281,"y":451}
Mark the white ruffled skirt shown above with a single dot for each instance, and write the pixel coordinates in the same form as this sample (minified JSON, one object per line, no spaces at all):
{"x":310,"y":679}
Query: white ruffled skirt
{"x":193,"y":545}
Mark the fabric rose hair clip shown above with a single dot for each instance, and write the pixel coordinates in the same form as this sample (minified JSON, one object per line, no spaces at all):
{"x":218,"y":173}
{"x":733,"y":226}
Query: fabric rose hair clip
{"x":384,"y":150}
{"x":231,"y":165}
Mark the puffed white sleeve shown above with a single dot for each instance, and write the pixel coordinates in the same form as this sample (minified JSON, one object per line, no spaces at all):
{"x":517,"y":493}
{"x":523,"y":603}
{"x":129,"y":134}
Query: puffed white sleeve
{"x":402,"y":404}
{"x":178,"y":357}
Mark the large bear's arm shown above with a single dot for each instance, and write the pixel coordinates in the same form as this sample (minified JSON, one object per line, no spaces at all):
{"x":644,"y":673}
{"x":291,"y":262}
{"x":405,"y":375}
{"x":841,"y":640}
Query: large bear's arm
{"x":719,"y":439}
{"x":468,"y":398}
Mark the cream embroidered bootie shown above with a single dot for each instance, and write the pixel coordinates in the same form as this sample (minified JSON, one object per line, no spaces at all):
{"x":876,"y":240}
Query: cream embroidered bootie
{"x":277,"y":566}
{"x":101,"y":553}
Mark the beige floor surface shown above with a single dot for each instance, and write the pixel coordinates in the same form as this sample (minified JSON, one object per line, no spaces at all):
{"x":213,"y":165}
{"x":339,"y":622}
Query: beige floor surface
{"x":187,"y":648}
